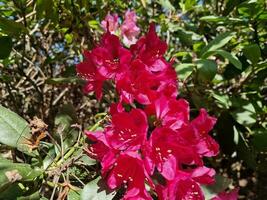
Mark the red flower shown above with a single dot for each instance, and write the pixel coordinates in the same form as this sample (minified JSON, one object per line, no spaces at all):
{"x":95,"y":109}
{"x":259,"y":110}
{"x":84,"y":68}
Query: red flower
{"x":137,"y":84}
{"x":196,"y":135}
{"x":185,"y":186}
{"x":144,"y":86}
{"x":165,"y":152}
{"x":110,"y":58}
{"x":150,"y":50}
{"x":127,"y":131}
{"x":88,"y":71}
{"x":232,"y":195}
{"x":129,"y":171}
{"x":170,"y":113}
{"x":101,"y":150}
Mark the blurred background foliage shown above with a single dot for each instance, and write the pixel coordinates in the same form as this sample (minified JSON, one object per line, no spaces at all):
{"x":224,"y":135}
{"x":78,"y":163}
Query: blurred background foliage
{"x":220,"y":51}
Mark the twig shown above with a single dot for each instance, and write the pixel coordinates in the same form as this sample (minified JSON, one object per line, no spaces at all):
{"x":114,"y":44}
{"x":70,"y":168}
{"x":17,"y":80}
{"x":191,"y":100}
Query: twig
{"x":60,"y":96}
{"x":27,"y":16}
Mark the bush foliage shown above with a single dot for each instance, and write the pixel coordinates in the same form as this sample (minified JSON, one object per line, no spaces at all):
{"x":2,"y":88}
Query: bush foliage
{"x":219,"y":51}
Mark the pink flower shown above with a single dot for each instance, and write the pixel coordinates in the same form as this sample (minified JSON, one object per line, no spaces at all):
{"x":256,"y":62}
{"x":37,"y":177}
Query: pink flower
{"x":110,"y":58}
{"x":129,"y":30}
{"x":186,"y":186}
{"x":166,"y":153}
{"x":110,"y":23}
{"x":88,"y":71}
{"x":232,"y":195}
{"x":128,"y":130}
{"x":129,"y":171}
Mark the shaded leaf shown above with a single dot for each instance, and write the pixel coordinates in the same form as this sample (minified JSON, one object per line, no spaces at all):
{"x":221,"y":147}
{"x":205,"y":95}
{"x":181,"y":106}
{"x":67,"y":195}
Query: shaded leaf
{"x":206,"y":69}
{"x":11,"y":27}
{"x":252,"y":52}
{"x":6,"y":46}
{"x":221,"y":183}
{"x":232,"y":58}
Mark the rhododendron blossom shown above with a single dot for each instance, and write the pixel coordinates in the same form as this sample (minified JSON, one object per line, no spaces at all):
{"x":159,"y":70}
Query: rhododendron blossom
{"x":149,"y":145}
{"x":128,"y":29}
{"x":111,"y":23}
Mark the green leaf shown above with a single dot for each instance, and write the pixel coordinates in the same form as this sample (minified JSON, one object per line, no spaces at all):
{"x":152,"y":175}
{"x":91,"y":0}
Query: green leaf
{"x":64,"y":119}
{"x":218,"y":42}
{"x":11,"y":27}
{"x":245,"y":114}
{"x":63,"y":80}
{"x":74,"y":195}
{"x":212,"y":18}
{"x":34,"y":196}
{"x":244,"y":152}
{"x":222,"y":100}
{"x":220,"y":19}
{"x":14,"y":130}
{"x":184,"y":70}
{"x":6,"y":46}
{"x":232,"y":58}
{"x":166,"y":4}
{"x":221,"y":183}
{"x":206,"y":69}
{"x":13,"y":172}
{"x":252,"y":52}
{"x":96,"y":190}
{"x":259,"y":140}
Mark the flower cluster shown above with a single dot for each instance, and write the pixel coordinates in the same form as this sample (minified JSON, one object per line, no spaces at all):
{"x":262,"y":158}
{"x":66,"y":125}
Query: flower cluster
{"x":153,"y":143}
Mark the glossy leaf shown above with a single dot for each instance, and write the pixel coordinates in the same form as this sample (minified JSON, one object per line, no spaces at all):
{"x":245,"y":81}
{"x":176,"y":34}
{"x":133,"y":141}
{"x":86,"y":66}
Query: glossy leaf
{"x":96,"y":190}
{"x":15,"y":131}
{"x":218,"y":42}
{"x":232,"y":58}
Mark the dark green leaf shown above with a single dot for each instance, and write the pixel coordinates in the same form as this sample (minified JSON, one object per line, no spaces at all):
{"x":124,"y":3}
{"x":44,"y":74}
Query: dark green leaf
{"x":34,"y":196}
{"x":63,"y":80}
{"x":259,"y":140}
{"x":206,"y":70}
{"x":6,"y":46}
{"x":232,"y":58}
{"x":252,"y":52}
{"x":11,"y":27}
